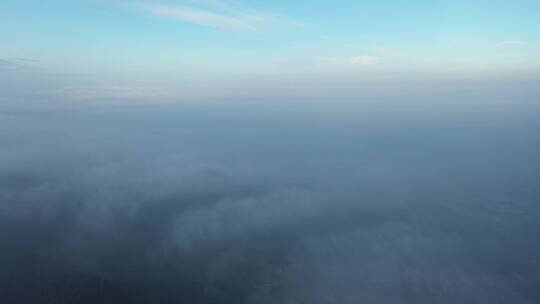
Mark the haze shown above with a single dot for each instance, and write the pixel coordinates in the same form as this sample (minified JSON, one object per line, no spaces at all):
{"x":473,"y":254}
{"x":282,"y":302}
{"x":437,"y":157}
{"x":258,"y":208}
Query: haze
{"x":269,"y":152}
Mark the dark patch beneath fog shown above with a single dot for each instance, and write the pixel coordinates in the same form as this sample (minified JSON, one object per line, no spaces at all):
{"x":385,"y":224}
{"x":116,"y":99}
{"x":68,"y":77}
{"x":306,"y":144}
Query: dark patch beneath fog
{"x":270,"y":204}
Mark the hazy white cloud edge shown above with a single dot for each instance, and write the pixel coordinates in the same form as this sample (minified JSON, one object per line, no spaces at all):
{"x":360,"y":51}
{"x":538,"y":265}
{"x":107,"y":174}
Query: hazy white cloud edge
{"x":200,"y":17}
{"x":219,"y":15}
{"x":366,"y":59}
{"x":92,"y":93}
{"x":13,"y":63}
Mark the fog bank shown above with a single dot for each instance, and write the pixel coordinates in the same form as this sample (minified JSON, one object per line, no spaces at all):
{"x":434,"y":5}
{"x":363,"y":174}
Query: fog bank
{"x":403,"y":198}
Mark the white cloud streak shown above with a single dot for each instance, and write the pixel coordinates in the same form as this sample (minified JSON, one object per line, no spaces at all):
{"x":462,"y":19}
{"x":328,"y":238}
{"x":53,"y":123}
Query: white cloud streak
{"x":93,"y":93}
{"x":365,"y":60}
{"x":222,"y":16}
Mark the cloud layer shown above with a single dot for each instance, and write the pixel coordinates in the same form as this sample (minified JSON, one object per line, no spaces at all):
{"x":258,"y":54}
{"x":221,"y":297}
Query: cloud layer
{"x":265,"y":203}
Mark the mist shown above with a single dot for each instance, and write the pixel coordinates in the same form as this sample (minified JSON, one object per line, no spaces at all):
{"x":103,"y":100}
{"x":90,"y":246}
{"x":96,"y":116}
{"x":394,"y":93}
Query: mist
{"x":424,"y":195}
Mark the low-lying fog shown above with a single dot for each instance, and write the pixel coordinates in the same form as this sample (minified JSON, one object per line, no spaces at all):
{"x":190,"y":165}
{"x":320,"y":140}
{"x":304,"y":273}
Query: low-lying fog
{"x":434,"y":200}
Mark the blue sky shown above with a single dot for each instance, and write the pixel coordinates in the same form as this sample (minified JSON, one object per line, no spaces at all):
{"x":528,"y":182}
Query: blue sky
{"x":162,"y":40}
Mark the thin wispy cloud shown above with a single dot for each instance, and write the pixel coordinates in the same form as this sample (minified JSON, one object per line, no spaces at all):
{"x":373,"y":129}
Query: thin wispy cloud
{"x":97,"y":93}
{"x":9,"y":64}
{"x":347,"y":62}
{"x":219,"y":15}
{"x":512,"y":44}
{"x":365,"y":60}
{"x":6,"y":64}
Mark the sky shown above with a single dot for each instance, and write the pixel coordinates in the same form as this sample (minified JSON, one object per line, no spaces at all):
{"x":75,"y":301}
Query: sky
{"x":154,"y":45}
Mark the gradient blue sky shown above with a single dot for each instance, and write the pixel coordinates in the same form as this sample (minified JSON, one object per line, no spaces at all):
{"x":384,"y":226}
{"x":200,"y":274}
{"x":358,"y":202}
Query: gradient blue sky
{"x":269,"y":34}
{"x":108,"y":38}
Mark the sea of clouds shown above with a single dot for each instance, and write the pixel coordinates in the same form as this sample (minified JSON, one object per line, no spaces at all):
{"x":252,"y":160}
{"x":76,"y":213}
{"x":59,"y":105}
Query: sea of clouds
{"x":409,"y":199}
